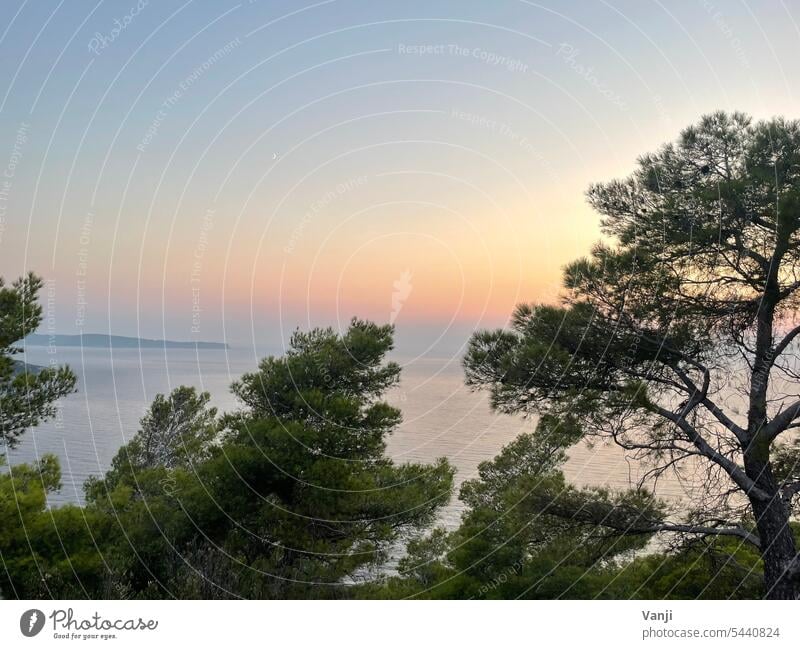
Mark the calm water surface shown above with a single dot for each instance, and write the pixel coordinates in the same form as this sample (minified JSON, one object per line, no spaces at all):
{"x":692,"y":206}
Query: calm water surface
{"x":441,"y":416}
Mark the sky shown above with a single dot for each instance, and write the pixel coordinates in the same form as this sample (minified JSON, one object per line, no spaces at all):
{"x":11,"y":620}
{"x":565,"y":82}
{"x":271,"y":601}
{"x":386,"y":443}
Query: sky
{"x":201,"y":170}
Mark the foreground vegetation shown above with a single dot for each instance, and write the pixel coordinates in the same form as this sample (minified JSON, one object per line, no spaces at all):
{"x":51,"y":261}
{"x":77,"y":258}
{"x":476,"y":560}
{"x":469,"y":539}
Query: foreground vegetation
{"x":528,"y":534}
{"x":285,"y":498}
{"x":293,"y":495}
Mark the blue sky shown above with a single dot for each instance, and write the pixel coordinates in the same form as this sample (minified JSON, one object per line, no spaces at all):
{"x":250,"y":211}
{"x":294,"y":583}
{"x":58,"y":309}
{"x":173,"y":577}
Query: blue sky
{"x":216,"y":169}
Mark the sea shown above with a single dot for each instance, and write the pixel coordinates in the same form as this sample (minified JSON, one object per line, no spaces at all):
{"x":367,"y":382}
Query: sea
{"x":441,"y":416}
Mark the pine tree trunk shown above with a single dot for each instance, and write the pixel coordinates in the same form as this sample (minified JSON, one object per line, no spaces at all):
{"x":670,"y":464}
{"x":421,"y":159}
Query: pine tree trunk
{"x":778,"y":548}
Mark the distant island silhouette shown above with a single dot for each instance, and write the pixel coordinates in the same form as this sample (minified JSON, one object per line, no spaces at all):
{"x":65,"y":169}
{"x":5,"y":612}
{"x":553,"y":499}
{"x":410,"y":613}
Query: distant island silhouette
{"x":107,"y":341}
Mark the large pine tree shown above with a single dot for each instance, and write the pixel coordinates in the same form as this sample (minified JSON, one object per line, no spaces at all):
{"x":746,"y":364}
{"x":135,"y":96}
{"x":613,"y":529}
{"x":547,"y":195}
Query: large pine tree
{"x":676,"y":338}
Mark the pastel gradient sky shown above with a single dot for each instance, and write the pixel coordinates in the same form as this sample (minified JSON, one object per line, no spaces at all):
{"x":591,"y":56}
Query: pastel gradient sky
{"x":209,"y":170}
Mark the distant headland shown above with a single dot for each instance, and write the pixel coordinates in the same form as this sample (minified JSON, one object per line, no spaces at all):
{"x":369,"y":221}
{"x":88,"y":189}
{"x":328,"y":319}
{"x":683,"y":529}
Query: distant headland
{"x":107,"y":341}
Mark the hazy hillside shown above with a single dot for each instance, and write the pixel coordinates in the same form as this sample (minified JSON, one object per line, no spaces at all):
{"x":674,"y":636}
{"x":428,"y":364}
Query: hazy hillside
{"x":105,"y":341}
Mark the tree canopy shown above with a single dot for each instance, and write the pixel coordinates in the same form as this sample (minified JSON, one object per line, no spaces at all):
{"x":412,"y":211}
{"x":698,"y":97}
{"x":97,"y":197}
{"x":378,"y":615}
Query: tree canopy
{"x":26,"y":397}
{"x":292,"y":496}
{"x":676,"y":338}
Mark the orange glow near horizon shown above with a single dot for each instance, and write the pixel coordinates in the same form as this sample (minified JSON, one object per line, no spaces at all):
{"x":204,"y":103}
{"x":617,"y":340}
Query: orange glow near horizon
{"x":437,"y":274}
